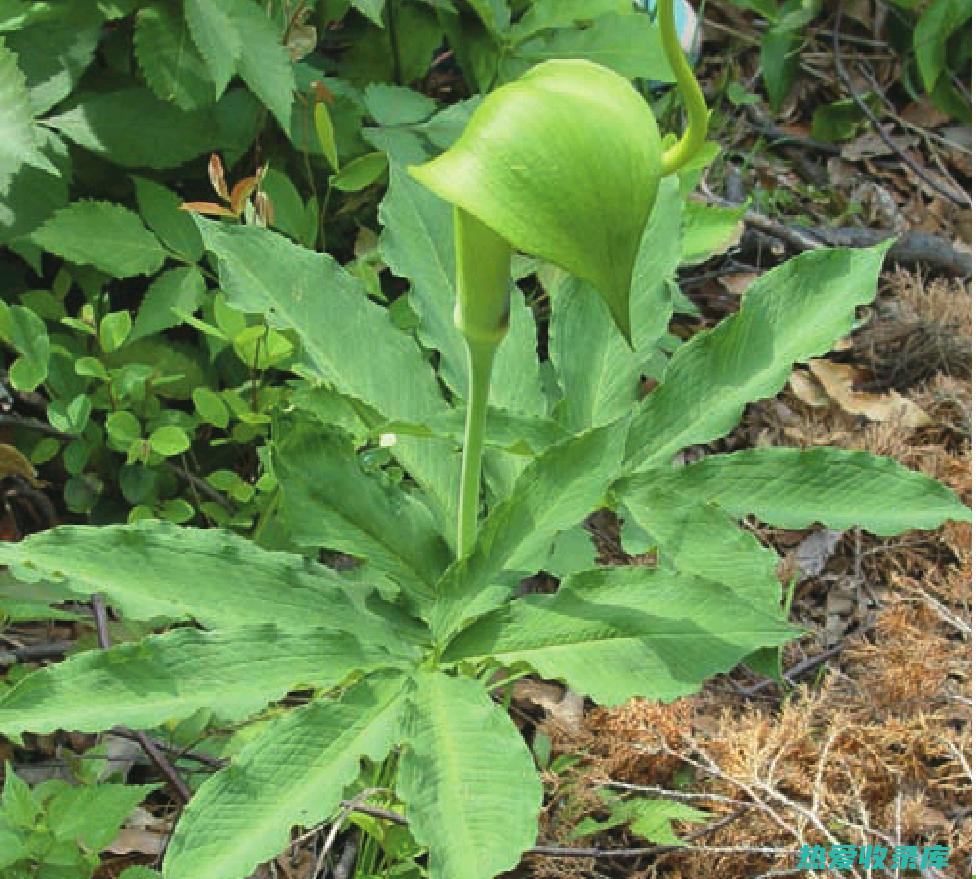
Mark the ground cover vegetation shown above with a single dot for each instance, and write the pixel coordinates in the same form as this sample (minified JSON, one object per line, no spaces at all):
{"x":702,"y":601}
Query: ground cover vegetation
{"x":347,"y":338}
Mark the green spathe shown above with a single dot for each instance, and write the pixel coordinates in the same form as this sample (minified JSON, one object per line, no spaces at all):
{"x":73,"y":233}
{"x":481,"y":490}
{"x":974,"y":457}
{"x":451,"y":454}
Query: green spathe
{"x":563,"y":164}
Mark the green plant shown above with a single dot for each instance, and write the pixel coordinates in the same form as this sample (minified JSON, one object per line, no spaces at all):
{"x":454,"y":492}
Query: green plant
{"x":936,"y":35}
{"x":781,"y":43}
{"x":401,"y":652}
{"x":55,"y":830}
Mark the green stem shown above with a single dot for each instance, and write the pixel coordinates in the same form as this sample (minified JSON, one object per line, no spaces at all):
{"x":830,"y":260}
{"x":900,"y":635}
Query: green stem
{"x":480,"y":358}
{"x":691,"y":93}
{"x":483,"y":272}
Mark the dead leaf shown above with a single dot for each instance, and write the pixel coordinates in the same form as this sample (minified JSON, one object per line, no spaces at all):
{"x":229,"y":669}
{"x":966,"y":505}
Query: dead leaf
{"x":13,"y":463}
{"x":838,"y":380}
{"x":814,"y":552}
{"x":559,"y":703}
{"x":808,"y":389}
{"x":143,"y":834}
{"x":738,"y":282}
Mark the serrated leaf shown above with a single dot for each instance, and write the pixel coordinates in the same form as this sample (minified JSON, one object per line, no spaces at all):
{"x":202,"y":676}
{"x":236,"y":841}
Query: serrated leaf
{"x":177,"y":290}
{"x":154,"y":569}
{"x":18,"y":141}
{"x":134,"y":128}
{"x":89,"y":815}
{"x":328,"y":501}
{"x":216,"y":37}
{"x":107,"y":236}
{"x":233,"y":672}
{"x":160,"y":208}
{"x":468,"y":780}
{"x":262,"y":272}
{"x":790,"y":314}
{"x":555,"y":492}
{"x":793,"y":488}
{"x":621,"y":632}
{"x":264,"y":63}
{"x":55,"y":52}
{"x":27,"y":333}
{"x":168,"y":58}
{"x":295,"y":773}
{"x":651,"y":819}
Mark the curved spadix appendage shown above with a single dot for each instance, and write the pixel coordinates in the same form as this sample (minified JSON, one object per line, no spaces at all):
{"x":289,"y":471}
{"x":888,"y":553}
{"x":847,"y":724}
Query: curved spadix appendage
{"x":562,"y":164}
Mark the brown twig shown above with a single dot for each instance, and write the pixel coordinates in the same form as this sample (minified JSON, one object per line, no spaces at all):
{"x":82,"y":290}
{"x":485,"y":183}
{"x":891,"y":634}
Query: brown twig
{"x":159,"y":760}
{"x":35,"y":652}
{"x":958,"y":196}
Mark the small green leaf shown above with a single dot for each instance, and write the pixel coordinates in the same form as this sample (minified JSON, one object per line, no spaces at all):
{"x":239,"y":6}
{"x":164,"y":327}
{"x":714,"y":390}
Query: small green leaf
{"x":326,"y":134}
{"x":107,"y":236}
{"x":652,"y":820}
{"x":708,"y":230}
{"x":211,"y":407}
{"x":169,"y":440}
{"x":177,"y":291}
{"x":360,"y":172}
{"x":69,"y":416}
{"x":91,"y":814}
{"x":937,"y":23}
{"x":113,"y":329}
{"x":396,"y":105}
{"x":91,"y":367}
{"x":27,"y":333}
{"x":160,"y":208}
{"x":123,"y":428}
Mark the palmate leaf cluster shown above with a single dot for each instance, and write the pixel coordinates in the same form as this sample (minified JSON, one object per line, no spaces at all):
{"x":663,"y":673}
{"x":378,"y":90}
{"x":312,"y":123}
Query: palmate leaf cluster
{"x":393,"y":649}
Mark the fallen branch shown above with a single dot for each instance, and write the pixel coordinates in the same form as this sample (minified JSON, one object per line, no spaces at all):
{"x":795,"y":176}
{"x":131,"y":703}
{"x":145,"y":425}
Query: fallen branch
{"x":159,"y":760}
{"x":35,"y":652}
{"x":910,"y":248}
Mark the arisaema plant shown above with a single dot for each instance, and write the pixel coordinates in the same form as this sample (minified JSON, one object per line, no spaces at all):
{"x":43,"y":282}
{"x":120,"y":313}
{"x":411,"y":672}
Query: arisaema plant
{"x":565,"y":165}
